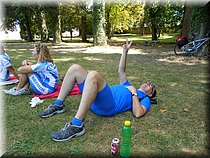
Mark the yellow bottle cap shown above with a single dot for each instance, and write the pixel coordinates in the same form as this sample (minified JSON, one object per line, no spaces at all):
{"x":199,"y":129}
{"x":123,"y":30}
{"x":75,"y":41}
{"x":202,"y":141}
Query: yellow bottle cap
{"x":127,"y":123}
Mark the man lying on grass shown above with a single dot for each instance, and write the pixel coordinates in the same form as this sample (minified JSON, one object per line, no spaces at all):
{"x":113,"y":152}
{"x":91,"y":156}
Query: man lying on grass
{"x":97,"y":95}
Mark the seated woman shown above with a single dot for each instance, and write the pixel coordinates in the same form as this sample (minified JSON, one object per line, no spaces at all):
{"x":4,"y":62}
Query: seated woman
{"x":42,"y":76}
{"x":6,"y":67}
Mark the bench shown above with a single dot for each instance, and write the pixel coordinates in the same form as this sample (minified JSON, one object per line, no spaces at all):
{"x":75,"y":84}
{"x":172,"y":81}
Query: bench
{"x":153,"y":42}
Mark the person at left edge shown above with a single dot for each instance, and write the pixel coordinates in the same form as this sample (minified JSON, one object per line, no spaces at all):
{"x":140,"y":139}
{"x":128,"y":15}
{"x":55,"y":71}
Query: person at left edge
{"x":6,"y":67}
{"x":42,"y":76}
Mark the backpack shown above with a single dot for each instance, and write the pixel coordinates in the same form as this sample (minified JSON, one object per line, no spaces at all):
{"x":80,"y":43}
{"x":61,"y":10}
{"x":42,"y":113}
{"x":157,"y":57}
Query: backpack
{"x":181,"y":41}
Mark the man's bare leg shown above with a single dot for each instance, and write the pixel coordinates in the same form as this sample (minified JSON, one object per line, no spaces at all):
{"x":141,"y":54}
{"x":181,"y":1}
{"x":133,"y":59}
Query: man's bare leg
{"x":94,"y":83}
{"x":75,"y":74}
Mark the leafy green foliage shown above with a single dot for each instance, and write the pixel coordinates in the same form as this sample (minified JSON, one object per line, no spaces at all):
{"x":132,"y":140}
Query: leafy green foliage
{"x":198,"y":15}
{"x":120,"y":16}
{"x":163,"y":16}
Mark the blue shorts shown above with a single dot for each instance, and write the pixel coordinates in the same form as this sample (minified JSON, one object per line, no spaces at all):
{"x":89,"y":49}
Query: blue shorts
{"x":104,"y":104}
{"x":39,"y":86}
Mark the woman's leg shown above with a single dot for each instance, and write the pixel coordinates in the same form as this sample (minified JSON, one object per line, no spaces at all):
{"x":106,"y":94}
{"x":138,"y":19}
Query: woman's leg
{"x":23,"y":82}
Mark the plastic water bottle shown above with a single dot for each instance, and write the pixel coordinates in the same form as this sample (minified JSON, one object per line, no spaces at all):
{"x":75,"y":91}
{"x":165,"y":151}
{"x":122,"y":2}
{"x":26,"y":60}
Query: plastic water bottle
{"x":126,"y":135}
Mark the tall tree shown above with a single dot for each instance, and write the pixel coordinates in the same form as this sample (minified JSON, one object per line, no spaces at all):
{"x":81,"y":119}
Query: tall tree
{"x":42,"y":23}
{"x":199,"y":18}
{"x":83,"y":10}
{"x":99,"y":35}
{"x":186,"y":19}
{"x":75,"y":15}
{"x":161,"y":15}
{"x":153,"y":10}
{"x":22,"y":15}
{"x":121,"y":16}
{"x":54,"y":13}
{"x":70,"y":17}
{"x":27,"y":24}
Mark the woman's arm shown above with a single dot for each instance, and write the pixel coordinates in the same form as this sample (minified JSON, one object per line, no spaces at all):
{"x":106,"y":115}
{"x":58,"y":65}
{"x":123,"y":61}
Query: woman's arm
{"x":25,"y":69}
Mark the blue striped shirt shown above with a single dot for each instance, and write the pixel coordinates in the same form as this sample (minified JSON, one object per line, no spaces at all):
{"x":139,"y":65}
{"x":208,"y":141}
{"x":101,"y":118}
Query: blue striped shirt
{"x":48,"y":73}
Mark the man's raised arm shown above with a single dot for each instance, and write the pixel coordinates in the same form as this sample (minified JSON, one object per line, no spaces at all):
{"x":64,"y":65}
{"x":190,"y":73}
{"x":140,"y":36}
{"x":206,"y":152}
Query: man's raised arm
{"x":122,"y":64}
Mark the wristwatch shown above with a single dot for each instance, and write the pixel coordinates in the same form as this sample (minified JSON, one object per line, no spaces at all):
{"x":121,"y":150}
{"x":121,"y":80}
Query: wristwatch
{"x":134,"y":94}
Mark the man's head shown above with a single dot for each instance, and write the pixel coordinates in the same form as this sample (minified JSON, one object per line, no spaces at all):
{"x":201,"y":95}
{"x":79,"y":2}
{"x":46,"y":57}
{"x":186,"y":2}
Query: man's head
{"x":149,"y":89}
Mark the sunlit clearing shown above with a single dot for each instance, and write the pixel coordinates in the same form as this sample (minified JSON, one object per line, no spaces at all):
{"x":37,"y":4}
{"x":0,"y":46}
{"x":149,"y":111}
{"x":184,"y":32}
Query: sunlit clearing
{"x":66,"y":59}
{"x":91,"y":58}
{"x":129,"y":39}
{"x":165,"y":37}
{"x":16,"y":49}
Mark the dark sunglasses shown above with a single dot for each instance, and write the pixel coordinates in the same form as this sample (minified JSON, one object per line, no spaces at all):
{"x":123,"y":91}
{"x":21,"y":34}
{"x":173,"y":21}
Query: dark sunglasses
{"x":151,"y":86}
{"x":37,"y":48}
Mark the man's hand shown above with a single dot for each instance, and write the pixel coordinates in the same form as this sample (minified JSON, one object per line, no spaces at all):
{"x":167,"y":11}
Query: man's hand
{"x":132,"y":89}
{"x":126,"y":46}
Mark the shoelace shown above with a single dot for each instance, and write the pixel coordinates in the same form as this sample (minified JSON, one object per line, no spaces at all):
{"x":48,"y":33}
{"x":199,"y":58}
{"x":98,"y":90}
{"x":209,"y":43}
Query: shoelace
{"x":49,"y":107}
{"x":66,"y":126}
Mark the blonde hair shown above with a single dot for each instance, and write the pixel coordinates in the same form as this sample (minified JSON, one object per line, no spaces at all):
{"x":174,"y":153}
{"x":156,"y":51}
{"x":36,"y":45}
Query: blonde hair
{"x":44,"y":53}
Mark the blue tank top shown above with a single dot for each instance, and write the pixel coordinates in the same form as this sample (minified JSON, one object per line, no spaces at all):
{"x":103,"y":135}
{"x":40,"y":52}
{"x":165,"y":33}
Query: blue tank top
{"x":123,"y":98}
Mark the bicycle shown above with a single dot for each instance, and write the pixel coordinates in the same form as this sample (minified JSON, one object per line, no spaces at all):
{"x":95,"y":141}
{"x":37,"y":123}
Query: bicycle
{"x":183,"y":47}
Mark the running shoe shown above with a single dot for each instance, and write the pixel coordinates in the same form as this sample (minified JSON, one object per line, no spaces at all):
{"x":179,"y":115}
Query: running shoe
{"x":52,"y":110}
{"x":68,"y":132}
{"x":16,"y":92}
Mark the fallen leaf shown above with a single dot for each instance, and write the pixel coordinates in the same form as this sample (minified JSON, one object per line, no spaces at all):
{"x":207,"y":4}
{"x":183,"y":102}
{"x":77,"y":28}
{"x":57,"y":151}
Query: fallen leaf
{"x":158,"y":124}
{"x":186,"y":110}
{"x":163,"y":111}
{"x":202,"y":124}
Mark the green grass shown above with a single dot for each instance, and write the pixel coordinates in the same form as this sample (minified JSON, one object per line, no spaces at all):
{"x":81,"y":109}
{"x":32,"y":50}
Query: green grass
{"x":180,"y":84}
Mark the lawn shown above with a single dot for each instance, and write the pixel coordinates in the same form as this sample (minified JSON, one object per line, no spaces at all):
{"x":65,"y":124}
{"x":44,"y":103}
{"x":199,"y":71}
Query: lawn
{"x":176,"y":127}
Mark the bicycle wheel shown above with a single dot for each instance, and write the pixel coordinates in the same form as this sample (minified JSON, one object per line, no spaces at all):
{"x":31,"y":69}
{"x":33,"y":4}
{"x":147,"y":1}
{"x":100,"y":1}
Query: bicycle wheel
{"x":177,"y":51}
{"x":180,"y":51}
{"x":207,"y":50}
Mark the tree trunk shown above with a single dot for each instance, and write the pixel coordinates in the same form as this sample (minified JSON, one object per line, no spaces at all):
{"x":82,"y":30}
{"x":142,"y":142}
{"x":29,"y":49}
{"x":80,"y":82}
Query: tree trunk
{"x":186,"y":19}
{"x":208,"y":15}
{"x":109,"y":29}
{"x":56,"y":21}
{"x":57,"y":38}
{"x":42,"y":26}
{"x":99,"y":35}
{"x":84,"y":28}
{"x":27,"y":24}
{"x":153,"y":22}
{"x":154,"y":33}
